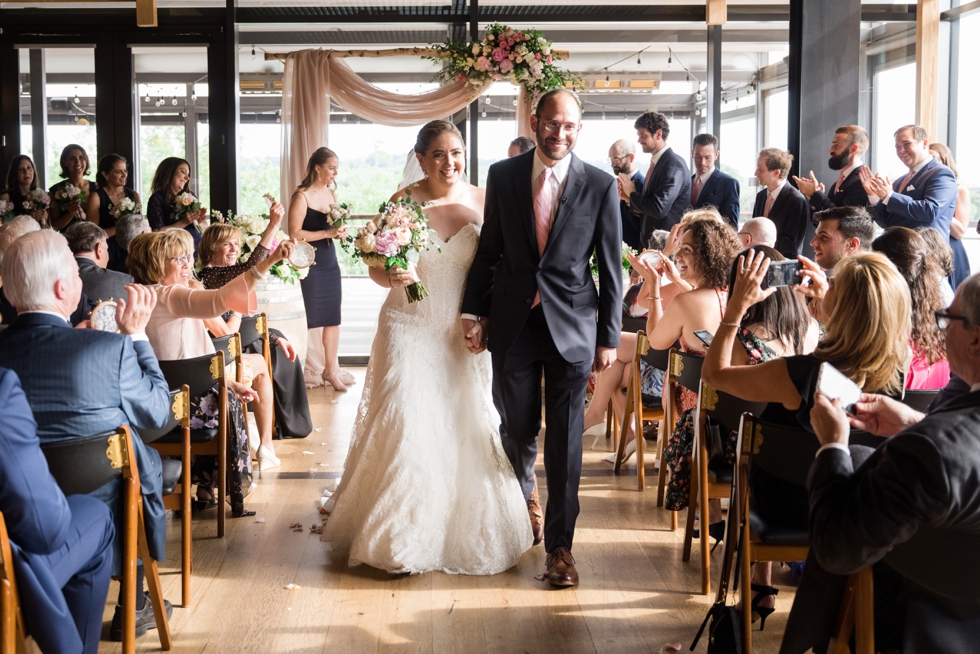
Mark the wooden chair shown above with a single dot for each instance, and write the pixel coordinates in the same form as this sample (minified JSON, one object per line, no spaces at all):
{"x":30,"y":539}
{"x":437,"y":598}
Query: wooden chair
{"x":711,"y":478}
{"x":12,"y":632}
{"x":252,"y":329}
{"x":637,"y":410}
{"x":631,"y":325}
{"x":683,"y":370}
{"x":787,"y":453}
{"x":857,"y":615}
{"x":919,"y":400}
{"x":180,"y":498}
{"x":199,"y":374}
{"x":82,"y":465}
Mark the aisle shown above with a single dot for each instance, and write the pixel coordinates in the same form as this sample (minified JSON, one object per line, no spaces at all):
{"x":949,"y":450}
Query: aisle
{"x":636,"y":594}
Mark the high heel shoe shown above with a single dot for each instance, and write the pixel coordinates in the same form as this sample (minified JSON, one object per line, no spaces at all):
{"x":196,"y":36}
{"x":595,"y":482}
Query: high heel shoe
{"x":762,"y":612}
{"x":630,"y":448}
{"x":334,"y":380}
{"x":716,"y":530}
{"x":596,"y":431}
{"x":267,"y":458}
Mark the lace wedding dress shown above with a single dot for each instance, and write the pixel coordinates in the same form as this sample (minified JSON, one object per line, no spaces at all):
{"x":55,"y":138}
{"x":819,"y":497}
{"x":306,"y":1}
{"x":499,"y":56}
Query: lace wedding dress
{"x":427,"y":485}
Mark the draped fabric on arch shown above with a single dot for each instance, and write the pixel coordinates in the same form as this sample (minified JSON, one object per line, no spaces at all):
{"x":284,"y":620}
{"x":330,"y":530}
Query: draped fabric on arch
{"x":312,"y":78}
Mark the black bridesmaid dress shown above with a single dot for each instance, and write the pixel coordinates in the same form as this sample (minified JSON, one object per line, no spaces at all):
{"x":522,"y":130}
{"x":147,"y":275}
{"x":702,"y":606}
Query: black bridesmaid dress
{"x":321,"y":288}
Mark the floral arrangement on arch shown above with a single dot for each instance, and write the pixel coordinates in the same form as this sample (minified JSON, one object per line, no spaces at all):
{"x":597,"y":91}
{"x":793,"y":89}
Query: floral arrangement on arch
{"x":251,"y":227}
{"x":521,"y":56}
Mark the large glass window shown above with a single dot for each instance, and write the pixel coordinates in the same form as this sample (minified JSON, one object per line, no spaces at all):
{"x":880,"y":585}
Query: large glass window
{"x":967,"y":126}
{"x":738,"y":156}
{"x":894,"y":106}
{"x":777,"y":120}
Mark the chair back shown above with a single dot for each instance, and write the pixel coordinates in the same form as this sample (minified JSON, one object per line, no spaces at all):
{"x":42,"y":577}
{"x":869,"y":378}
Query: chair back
{"x":633,"y":324}
{"x":198,"y":373}
{"x":784,"y":452}
{"x":684,"y":369}
{"x":249,"y":331}
{"x":180,"y":405}
{"x":725,"y":409}
{"x":919,"y":400}
{"x":939,"y":561}
{"x":82,"y":465}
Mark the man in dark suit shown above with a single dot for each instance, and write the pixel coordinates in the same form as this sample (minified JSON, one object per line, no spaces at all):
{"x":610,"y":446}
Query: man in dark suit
{"x":849,"y":145}
{"x":81,"y":382}
{"x":710,"y":186}
{"x":780,"y":202}
{"x":622,"y":158}
{"x":666,"y":191}
{"x":88,"y":242}
{"x":867,"y":506}
{"x":546,"y":213}
{"x":924,"y":197}
{"x":62,"y":547}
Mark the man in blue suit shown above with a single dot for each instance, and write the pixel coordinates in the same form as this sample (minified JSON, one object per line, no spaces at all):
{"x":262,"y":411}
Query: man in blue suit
{"x":62,"y":547}
{"x":81,"y":382}
{"x":666,"y":191}
{"x":924,"y":197}
{"x":710,"y":186}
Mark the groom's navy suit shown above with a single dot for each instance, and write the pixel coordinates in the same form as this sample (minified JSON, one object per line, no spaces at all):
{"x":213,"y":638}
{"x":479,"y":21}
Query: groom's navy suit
{"x":559,"y":336}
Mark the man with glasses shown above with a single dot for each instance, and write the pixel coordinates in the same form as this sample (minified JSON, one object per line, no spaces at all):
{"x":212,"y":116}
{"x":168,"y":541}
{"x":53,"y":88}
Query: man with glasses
{"x":666,"y":191}
{"x":924,"y":197}
{"x":899,"y":507}
{"x":622,"y":157}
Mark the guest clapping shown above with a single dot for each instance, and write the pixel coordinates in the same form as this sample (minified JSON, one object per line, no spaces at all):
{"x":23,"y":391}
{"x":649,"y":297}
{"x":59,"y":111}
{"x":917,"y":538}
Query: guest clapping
{"x":74,"y":166}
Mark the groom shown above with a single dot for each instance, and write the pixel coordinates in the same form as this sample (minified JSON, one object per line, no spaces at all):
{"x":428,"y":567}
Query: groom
{"x":530,"y":289}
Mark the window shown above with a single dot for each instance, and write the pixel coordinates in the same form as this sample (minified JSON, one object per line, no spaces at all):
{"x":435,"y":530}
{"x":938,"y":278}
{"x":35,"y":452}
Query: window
{"x":894,"y":106}
{"x":967,"y":128}
{"x":738,"y":157}
{"x":777,"y":120}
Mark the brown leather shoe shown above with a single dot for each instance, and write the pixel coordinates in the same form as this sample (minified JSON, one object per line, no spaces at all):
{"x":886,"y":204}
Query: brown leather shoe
{"x":561,"y":569}
{"x":537,"y":517}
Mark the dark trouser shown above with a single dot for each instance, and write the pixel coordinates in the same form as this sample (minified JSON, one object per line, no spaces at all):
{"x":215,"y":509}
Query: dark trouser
{"x":80,"y":568}
{"x":517,"y":396}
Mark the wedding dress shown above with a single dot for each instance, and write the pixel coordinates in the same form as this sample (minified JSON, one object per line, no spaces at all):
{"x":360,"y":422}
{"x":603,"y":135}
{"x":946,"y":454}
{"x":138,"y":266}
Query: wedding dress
{"x":427,"y":485}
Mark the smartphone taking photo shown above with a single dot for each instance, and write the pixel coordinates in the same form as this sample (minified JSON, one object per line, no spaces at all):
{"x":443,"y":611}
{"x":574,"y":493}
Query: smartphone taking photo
{"x":832,"y":383}
{"x":783,"y":273}
{"x":704,"y":336}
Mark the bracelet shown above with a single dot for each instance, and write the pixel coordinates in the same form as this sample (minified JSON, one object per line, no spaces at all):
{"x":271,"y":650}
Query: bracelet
{"x":730,"y":324}
{"x":258,"y":275}
{"x":653,"y":297}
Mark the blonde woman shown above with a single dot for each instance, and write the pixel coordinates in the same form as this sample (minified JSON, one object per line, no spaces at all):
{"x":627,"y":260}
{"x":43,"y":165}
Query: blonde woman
{"x":868,"y":309}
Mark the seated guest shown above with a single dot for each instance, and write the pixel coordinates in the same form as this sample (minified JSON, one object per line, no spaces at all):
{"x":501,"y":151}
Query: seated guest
{"x":176,"y":330}
{"x":924,"y":197}
{"x":920,"y":480}
{"x":21,"y":180}
{"x":74,"y":166}
{"x":868,"y":305}
{"x":961,"y":216}
{"x":520,"y":145}
{"x":841,"y":231}
{"x":780,"y":202}
{"x":10,"y":232}
{"x":622,"y":158}
{"x":849,"y":145}
{"x":757,"y":231}
{"x":709,"y":186}
{"x":87,"y":242}
{"x":219,"y":255}
{"x":81,"y":382}
{"x":127,"y":228}
{"x":170,"y":180}
{"x":908,"y":251}
{"x":61,"y":547}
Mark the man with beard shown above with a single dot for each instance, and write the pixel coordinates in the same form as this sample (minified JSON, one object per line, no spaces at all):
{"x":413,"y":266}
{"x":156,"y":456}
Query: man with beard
{"x":850,"y":144}
{"x":710,"y":186}
{"x":622,"y":158}
{"x":666,"y":191}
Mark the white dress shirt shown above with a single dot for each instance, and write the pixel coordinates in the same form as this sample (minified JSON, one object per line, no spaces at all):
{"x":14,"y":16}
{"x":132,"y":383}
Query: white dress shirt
{"x":706,"y":176}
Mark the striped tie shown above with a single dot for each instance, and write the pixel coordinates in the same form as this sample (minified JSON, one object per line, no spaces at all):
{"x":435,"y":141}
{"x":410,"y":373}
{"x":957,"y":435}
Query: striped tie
{"x":544,"y":202}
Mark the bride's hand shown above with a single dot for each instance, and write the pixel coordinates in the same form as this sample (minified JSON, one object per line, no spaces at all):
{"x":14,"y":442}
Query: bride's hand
{"x":399,"y":277}
{"x":475,"y":335}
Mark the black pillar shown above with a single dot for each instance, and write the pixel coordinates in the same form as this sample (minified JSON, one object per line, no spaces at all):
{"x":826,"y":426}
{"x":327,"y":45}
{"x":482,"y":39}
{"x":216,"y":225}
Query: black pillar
{"x":39,"y":116}
{"x":115,"y":130}
{"x":223,"y":112}
{"x":713,"y":117}
{"x":9,"y":101}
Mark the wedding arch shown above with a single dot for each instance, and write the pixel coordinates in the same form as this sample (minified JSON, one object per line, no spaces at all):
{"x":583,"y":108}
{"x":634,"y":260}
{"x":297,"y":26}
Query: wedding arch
{"x":314,"y":77}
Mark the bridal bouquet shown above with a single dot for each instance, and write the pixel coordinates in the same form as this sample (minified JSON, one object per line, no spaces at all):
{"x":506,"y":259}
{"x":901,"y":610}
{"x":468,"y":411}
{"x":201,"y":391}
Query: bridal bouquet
{"x":395,"y":237}
{"x":187,"y":204}
{"x":66,"y":194}
{"x":338,"y":214}
{"x":37,"y":199}
{"x":251,"y":227}
{"x":123,"y":208}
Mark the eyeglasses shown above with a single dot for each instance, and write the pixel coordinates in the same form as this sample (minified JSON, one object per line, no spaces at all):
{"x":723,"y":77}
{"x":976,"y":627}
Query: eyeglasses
{"x":945,"y":319}
{"x":183,"y":258}
{"x":618,"y":160}
{"x":557,"y":128}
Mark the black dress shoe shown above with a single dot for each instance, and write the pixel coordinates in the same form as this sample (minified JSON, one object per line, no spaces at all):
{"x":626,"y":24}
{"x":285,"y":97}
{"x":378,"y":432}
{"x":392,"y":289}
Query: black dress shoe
{"x":145,"y":619}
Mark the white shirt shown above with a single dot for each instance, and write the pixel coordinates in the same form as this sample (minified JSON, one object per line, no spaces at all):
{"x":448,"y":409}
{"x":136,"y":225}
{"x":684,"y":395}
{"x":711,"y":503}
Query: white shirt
{"x":655,"y":158}
{"x":855,"y":163}
{"x":704,"y":177}
{"x":874,"y":199}
{"x":775,"y":194}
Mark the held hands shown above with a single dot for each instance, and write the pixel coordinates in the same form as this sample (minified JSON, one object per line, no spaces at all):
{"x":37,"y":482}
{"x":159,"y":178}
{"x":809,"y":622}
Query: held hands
{"x":748,"y":290}
{"x":829,"y":421}
{"x":288,"y":349}
{"x":808,"y":185}
{"x":475,"y":335}
{"x":883,"y":416}
{"x":132,"y":316}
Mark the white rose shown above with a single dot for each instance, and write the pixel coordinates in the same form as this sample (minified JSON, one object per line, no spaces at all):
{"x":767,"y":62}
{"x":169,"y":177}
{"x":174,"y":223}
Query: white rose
{"x":257,"y":224}
{"x":365,"y":242}
{"x":404,"y":235}
{"x":253,"y":241}
{"x":545,"y":51}
{"x":282,"y":236}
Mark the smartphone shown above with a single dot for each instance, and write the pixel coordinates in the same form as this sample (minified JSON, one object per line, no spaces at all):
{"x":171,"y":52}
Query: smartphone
{"x":832,"y":383}
{"x":784,"y":273}
{"x":704,"y":336}
{"x":651,"y":257}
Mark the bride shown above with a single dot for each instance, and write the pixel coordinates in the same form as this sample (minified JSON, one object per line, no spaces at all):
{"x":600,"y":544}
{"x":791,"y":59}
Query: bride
{"x":426,"y":484}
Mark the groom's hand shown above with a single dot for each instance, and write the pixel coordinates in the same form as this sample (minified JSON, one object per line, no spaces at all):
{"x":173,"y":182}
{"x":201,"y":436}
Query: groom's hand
{"x":475,"y":335}
{"x":604,"y":358}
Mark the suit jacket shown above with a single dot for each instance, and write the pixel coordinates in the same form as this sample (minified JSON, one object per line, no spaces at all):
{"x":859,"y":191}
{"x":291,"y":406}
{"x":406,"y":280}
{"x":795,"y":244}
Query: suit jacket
{"x":721,"y":191}
{"x":81,"y":382}
{"x":791,"y":213}
{"x":850,"y":194}
{"x":921,"y":482}
{"x":929,"y":200}
{"x":100,"y":285}
{"x":667,"y":194}
{"x":632,"y":221}
{"x":8,"y":313}
{"x":507,"y":270}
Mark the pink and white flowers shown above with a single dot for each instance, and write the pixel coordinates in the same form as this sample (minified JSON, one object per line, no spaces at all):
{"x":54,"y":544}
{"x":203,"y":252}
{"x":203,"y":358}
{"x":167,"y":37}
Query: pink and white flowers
{"x":338,"y":214}
{"x":36,"y":199}
{"x":6,"y":210}
{"x":66,"y":194}
{"x":187,"y":204}
{"x":251,"y":227}
{"x":124,"y":207}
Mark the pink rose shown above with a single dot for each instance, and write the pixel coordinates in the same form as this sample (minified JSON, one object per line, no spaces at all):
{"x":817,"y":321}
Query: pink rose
{"x":187,"y":200}
{"x":506,"y":66}
{"x":538,"y":56}
{"x":386,"y":244}
{"x":498,"y":54}
{"x":548,"y":60}
{"x":404,"y":235}
{"x":483,"y":63}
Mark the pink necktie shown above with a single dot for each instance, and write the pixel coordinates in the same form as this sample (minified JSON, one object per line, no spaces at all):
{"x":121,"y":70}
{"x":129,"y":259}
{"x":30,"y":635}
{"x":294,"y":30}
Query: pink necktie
{"x":840,"y":181}
{"x":696,"y":191}
{"x":770,"y":200}
{"x":544,"y":201}
{"x":905,"y":182}
{"x":646,"y":182}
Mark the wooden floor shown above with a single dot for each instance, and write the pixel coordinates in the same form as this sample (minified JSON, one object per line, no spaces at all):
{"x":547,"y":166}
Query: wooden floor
{"x":635,"y":593}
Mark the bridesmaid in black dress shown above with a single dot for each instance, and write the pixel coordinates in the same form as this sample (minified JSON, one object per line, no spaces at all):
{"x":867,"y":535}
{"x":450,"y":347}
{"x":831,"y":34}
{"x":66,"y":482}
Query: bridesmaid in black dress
{"x":111,"y":176}
{"x":21,"y":180}
{"x":74,"y":167}
{"x":321,"y":289}
{"x":170,"y":180}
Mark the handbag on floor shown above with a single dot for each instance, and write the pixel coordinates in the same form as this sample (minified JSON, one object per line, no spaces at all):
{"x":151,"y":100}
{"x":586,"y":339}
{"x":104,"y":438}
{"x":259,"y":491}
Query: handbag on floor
{"x":724,"y":622}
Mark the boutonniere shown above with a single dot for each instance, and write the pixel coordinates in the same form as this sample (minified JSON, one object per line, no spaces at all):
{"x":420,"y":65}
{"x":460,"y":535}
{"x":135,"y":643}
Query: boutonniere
{"x":909,"y":188}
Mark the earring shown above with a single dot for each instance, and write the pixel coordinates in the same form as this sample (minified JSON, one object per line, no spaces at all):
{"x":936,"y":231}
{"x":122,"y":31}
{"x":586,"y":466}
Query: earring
{"x":425,"y":173}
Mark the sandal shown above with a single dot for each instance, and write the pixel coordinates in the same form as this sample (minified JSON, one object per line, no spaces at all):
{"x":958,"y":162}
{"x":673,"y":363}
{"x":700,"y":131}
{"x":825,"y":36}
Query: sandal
{"x":334,"y":380}
{"x":206,"y":502}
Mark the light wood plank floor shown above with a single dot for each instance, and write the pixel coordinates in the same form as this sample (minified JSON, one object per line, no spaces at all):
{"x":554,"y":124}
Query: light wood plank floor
{"x":635,"y":593}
